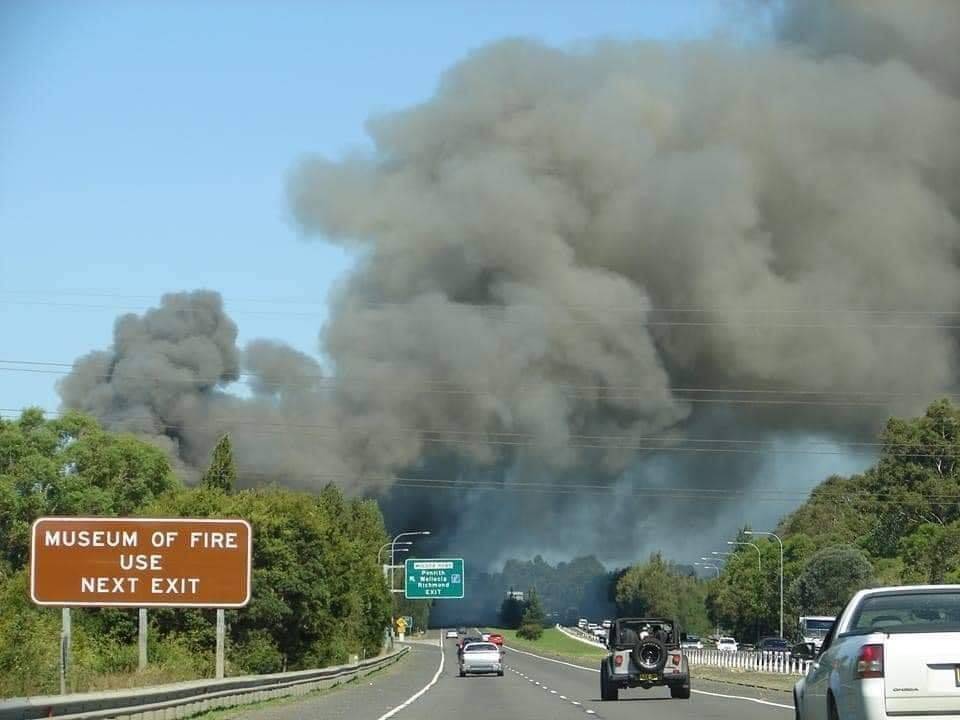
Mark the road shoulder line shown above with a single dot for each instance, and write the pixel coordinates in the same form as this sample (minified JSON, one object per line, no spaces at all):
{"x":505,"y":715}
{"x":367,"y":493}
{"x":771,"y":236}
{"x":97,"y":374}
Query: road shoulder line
{"x":417,"y":695}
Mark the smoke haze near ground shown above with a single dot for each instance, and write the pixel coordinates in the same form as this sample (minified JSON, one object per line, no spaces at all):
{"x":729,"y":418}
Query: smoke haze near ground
{"x":562,"y":247}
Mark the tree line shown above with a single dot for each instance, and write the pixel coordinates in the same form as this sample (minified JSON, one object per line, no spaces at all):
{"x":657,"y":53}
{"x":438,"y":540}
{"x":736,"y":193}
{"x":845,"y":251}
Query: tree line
{"x":318,"y":593}
{"x":898,"y":522}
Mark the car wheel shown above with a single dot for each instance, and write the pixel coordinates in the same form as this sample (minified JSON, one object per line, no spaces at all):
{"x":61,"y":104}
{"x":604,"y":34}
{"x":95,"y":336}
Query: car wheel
{"x":608,"y":691}
{"x":832,"y":708}
{"x":500,"y":674}
{"x":463,"y":673}
{"x":680,"y":692}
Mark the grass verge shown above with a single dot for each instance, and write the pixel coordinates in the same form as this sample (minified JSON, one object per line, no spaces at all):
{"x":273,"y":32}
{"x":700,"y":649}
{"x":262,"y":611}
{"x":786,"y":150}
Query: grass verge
{"x":768,"y":681}
{"x":554,"y":643}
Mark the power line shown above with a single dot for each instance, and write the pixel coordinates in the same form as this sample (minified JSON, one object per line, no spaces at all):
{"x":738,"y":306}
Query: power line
{"x":455,"y":436}
{"x":651,"y":308}
{"x":623,"y":393}
{"x":646,"y":322}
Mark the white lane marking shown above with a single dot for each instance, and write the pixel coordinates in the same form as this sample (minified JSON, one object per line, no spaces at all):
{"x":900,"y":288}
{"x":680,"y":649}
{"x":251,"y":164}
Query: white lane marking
{"x":591,"y":712}
{"x":563,"y":697}
{"x":553,"y":692}
{"x":696,"y":692}
{"x":558,"y":662}
{"x":741,"y":697}
{"x":413,"y":698}
{"x":574,"y":702}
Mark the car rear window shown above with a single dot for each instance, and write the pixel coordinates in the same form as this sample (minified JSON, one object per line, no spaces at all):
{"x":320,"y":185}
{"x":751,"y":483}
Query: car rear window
{"x":482,"y":647}
{"x":905,"y":612}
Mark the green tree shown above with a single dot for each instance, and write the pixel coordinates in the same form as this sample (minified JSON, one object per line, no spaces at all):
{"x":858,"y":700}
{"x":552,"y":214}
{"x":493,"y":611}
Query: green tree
{"x":660,"y":588}
{"x":511,"y":611}
{"x":531,"y":625}
{"x":829,"y":578}
{"x":931,"y":553}
{"x":221,"y":472}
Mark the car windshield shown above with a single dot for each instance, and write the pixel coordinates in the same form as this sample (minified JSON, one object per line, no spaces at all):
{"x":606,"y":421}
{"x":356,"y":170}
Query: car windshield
{"x":904,"y":612}
{"x":482,"y":647}
{"x":773,"y":643}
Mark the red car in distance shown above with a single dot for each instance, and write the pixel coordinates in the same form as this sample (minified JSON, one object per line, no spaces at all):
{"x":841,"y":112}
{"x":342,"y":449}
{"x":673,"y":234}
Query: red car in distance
{"x":496,"y":639}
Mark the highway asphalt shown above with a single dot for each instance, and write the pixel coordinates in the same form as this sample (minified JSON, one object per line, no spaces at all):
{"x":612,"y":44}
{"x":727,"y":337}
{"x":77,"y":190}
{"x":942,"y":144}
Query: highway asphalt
{"x":533,"y":688}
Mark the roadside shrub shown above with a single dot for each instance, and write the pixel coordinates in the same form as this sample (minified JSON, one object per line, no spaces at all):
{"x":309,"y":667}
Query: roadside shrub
{"x":257,"y":654}
{"x":530,"y":631}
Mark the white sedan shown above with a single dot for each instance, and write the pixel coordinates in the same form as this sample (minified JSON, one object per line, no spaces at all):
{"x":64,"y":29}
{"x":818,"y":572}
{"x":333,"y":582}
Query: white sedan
{"x":452,"y":634}
{"x":727,"y":644}
{"x":893,"y":651}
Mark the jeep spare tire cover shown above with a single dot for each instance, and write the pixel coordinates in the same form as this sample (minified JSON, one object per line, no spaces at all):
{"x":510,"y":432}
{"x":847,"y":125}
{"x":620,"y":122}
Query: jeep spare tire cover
{"x":649,"y":655}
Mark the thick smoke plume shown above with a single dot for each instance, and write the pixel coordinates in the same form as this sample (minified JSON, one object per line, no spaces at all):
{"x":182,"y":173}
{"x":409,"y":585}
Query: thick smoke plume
{"x":569,"y":259}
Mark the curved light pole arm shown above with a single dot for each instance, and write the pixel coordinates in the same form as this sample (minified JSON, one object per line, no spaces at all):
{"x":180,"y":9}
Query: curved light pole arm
{"x":780,"y":541}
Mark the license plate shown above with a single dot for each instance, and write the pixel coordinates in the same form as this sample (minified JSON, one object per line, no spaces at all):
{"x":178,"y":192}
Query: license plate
{"x":647,"y":676}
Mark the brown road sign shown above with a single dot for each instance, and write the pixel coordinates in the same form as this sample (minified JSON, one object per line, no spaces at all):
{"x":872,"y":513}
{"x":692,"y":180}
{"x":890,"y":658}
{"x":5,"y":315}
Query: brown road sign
{"x":140,"y":562}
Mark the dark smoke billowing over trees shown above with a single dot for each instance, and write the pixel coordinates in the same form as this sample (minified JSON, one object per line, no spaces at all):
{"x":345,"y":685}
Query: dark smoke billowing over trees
{"x":569,"y":259}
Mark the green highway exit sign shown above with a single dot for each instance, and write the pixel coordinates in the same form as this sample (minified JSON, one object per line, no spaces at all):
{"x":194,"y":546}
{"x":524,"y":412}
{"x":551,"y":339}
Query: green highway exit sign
{"x":434,"y":578}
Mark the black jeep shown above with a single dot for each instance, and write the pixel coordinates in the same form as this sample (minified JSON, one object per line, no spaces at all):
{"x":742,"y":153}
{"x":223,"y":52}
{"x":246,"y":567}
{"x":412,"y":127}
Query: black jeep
{"x":644,"y":652}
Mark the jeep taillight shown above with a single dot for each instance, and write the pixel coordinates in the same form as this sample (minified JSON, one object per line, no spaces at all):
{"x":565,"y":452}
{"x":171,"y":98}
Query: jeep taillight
{"x":618,"y":660}
{"x":870,"y":662}
{"x":675,"y":659}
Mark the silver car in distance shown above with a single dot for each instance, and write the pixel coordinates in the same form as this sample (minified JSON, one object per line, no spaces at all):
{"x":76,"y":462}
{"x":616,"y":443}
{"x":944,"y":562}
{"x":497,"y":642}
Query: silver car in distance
{"x":481,"y":658}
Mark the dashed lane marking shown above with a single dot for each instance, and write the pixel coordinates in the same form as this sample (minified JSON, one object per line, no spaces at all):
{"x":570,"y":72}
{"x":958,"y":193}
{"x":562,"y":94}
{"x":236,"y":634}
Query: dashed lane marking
{"x":744,"y":698}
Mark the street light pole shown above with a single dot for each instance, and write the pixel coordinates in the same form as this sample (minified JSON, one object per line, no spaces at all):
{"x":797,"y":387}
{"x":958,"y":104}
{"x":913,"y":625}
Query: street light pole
{"x":753,"y":545}
{"x":779,"y":540}
{"x":714,"y":567}
{"x":711,"y":567}
{"x":393,"y":561}
{"x":759,"y":586}
{"x":393,"y":548}
{"x":387,"y":544}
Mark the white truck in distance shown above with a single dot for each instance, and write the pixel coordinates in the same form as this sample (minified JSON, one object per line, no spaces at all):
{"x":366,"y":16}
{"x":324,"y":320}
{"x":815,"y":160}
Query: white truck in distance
{"x":814,"y":628}
{"x":892,"y":652}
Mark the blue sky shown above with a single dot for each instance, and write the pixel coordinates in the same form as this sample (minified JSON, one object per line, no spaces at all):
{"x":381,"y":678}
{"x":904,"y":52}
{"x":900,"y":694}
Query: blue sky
{"x":144,"y":147}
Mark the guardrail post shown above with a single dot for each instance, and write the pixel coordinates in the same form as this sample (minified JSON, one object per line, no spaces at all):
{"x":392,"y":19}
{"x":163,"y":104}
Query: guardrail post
{"x":221,"y":633}
{"x":65,"y":633}
{"x":142,"y":640}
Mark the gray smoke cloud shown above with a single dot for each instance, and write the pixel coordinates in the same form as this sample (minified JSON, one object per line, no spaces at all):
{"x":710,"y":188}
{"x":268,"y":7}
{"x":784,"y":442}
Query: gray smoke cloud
{"x":566,"y":256}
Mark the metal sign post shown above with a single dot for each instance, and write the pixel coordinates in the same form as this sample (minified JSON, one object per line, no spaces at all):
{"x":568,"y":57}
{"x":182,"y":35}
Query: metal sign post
{"x":142,"y":640}
{"x":65,"y":633}
{"x":221,"y":636}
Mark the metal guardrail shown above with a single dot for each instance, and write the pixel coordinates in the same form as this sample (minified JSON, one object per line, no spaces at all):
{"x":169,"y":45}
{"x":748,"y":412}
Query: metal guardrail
{"x":578,"y":634}
{"x":179,"y":700}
